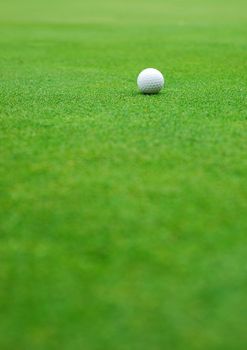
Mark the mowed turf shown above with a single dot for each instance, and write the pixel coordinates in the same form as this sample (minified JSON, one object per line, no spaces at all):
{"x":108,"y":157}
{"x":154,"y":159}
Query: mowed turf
{"x":123,"y":217}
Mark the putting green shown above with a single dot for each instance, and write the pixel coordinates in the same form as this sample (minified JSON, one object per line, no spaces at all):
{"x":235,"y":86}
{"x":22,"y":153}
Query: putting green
{"x":123,"y":217}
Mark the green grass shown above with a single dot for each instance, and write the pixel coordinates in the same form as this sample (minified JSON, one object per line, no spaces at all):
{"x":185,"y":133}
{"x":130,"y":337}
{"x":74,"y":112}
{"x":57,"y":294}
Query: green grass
{"x":123,"y":217}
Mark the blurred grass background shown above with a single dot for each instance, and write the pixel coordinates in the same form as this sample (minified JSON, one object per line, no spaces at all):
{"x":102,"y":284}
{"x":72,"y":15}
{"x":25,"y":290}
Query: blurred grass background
{"x":125,"y":12}
{"x":123,"y":217}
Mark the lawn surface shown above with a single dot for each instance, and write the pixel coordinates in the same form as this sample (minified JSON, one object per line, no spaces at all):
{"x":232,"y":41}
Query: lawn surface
{"x":123,"y":217}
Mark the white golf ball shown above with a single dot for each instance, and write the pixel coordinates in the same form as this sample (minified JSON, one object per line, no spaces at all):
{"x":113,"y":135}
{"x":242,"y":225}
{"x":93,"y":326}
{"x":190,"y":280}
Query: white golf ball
{"x":150,"y":81}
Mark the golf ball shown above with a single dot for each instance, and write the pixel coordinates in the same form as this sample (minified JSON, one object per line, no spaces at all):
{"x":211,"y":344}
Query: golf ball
{"x":150,"y":81}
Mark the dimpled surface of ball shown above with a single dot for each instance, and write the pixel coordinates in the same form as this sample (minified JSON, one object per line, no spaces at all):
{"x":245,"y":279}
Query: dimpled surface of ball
{"x":150,"y":81}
